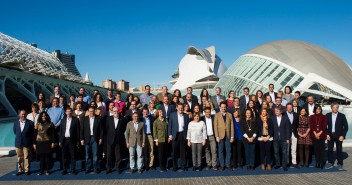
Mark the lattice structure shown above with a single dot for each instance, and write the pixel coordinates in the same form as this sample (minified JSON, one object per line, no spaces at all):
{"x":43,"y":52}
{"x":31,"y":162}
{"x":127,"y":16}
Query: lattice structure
{"x":18,"y":54}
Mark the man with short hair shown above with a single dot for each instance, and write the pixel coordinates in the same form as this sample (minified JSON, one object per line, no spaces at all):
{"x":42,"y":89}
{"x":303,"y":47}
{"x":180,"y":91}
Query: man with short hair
{"x":135,"y":141}
{"x":91,"y":136}
{"x":194,"y":98}
{"x":298,"y":98}
{"x":337,"y":130}
{"x":282,"y":135}
{"x":167,"y":108}
{"x":146,"y":96}
{"x":177,"y":128}
{"x":271,"y":92}
{"x":23,"y":130}
{"x":133,"y":109}
{"x":109,"y":98}
{"x":210,"y":146}
{"x":278,"y":104}
{"x":69,"y":140}
{"x":224,"y":134}
{"x":244,"y":99}
{"x":217,"y":99}
{"x":309,"y":106}
{"x":148,"y":150}
{"x":160,"y":96}
{"x":86,"y":97}
{"x":191,"y":102}
{"x":283,"y":101}
{"x":293,"y":118}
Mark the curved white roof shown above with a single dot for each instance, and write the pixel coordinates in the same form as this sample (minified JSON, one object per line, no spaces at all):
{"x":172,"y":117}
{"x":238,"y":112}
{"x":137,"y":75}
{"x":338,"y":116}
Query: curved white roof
{"x":308,"y":58}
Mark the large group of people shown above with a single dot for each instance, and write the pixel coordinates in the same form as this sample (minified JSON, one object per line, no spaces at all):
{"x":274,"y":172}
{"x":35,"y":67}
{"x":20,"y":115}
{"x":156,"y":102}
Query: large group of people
{"x":269,"y":130}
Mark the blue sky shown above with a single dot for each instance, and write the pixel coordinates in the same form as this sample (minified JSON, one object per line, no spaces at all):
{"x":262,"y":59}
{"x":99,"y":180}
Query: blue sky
{"x":144,"y":41}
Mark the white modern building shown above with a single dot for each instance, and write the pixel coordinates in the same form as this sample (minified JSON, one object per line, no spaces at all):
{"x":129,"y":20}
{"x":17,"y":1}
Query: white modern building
{"x":303,"y":66}
{"x":198,"y":69}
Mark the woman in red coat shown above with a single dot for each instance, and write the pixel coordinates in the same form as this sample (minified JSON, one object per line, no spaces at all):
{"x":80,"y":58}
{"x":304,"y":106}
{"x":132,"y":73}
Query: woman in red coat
{"x":318,"y":125}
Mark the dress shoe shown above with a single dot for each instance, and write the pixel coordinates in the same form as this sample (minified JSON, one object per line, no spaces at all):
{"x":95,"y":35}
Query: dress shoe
{"x":174,"y":169}
{"x":152,"y":168}
{"x":199,"y":168}
{"x":185,"y":169}
{"x":277,"y":167}
{"x":119,"y":171}
{"x":28,"y":173}
{"x":19,"y":173}
{"x":74,"y":172}
{"x":269,"y":167}
{"x":215,"y":168}
{"x":96,"y":171}
{"x":108,"y":171}
{"x":64,"y":172}
{"x":131,"y":171}
{"x":194,"y":168}
{"x":139,"y":171}
{"x":285,"y":168}
{"x":229,"y":168}
{"x":86,"y":171}
{"x":295,"y":166}
{"x":222,"y":168}
{"x":208,"y":167}
{"x":263,"y":167}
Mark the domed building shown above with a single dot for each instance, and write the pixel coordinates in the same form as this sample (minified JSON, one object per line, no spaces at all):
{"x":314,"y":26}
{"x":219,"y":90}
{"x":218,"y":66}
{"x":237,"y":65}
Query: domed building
{"x":198,"y":69}
{"x":303,"y":66}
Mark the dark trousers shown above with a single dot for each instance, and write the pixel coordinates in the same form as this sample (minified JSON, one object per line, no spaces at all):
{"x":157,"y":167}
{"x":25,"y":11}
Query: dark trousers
{"x":318,"y":145}
{"x":57,"y":149}
{"x":237,"y":158}
{"x":250,"y":153}
{"x":162,"y":155}
{"x":265,"y":152}
{"x":44,"y":162}
{"x":283,"y":145}
{"x":179,"y":149}
{"x":331,"y":143}
{"x":68,"y":154}
{"x":113,"y":152}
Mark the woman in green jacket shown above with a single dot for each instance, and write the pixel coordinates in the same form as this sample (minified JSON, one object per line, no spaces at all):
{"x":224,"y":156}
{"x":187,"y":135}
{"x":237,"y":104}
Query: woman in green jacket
{"x":160,"y":138}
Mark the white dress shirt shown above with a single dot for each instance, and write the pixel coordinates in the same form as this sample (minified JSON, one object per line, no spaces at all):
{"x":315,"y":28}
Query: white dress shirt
{"x":181,"y":122}
{"x":22,"y":123}
{"x":135,"y":126}
{"x":310,"y":109}
{"x":209,"y":124}
{"x":68,"y":126}
{"x":166,"y":109}
{"x":278,"y":118}
{"x":272,"y":95}
{"x":116,"y":121}
{"x":290,"y":116}
{"x":333,"y":120}
{"x":91,"y":124}
{"x":247,"y":99}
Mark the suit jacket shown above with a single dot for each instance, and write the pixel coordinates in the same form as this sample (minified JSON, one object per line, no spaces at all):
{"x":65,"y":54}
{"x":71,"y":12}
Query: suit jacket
{"x":212,"y":121}
{"x":266,"y":94}
{"x":215,"y":102}
{"x":243,"y":104}
{"x":74,"y":130}
{"x":283,"y":132}
{"x":171,"y":108}
{"x":294,"y":124}
{"x":194,"y":98}
{"x":25,"y":138}
{"x":134,"y":137}
{"x":341,"y":126}
{"x":305,"y":106}
{"x":97,"y":129}
{"x":173,"y":124}
{"x":129,"y":114}
{"x":114,"y":135}
{"x":151,"y":121}
{"x":192,"y":105}
{"x":222,"y":128}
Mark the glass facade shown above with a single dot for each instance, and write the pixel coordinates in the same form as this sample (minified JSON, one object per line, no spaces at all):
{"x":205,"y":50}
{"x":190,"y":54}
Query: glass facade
{"x":256,"y":73}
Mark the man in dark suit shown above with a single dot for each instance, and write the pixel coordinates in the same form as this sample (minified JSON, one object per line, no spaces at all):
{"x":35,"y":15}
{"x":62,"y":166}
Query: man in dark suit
{"x":23,"y":130}
{"x":293,"y":118}
{"x":91,"y":136}
{"x":177,"y":129}
{"x":271,"y":92}
{"x":133,"y":109}
{"x":115,"y":139}
{"x":56,"y":94}
{"x":190,"y":101}
{"x":210,"y":146}
{"x":217,"y":99}
{"x":309,"y":106}
{"x":193,"y":97}
{"x":337,"y":130}
{"x":167,"y":108}
{"x":69,"y":140}
{"x":282,"y":135}
{"x":148,"y":150}
{"x":244,"y":99}
{"x":278,"y":104}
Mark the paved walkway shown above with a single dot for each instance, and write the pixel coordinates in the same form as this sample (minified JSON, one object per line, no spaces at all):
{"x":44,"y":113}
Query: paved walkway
{"x":320,"y":177}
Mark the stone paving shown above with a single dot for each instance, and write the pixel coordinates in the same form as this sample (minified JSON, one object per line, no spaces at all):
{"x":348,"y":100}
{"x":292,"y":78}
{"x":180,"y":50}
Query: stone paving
{"x":342,"y":177}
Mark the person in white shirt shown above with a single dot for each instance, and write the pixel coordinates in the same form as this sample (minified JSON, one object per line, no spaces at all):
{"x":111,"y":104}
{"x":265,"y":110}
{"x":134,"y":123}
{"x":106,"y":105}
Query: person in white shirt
{"x":210,"y":146}
{"x":33,"y":116}
{"x":196,"y":136}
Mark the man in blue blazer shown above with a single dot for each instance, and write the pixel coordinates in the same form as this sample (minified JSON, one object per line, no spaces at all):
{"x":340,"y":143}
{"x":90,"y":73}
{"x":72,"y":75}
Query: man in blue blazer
{"x":23,"y":130}
{"x":282,"y":135}
{"x":337,"y":130}
{"x":167,"y":108}
{"x":177,"y":128}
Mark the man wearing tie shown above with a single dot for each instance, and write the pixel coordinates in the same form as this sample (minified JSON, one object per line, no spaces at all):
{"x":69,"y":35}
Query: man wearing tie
{"x":23,"y":130}
{"x":177,"y":129}
{"x":91,"y":136}
{"x":337,"y":130}
{"x":69,"y":140}
{"x":224,"y":134}
{"x":114,"y":133}
{"x":217,"y":99}
{"x":244,"y":99}
{"x":282,"y":130}
{"x":135,"y":139}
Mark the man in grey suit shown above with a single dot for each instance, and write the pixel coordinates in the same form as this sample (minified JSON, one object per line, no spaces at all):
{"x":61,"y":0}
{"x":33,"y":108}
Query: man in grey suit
{"x":217,"y":99}
{"x":244,"y":99}
{"x":135,"y":139}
